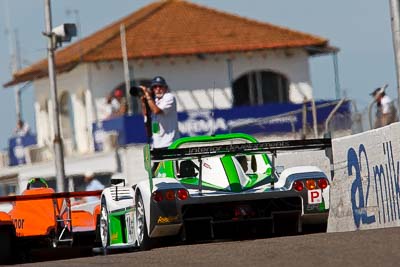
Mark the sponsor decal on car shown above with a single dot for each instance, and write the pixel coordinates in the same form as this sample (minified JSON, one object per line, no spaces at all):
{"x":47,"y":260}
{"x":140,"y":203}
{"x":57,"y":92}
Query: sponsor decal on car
{"x":114,"y":236}
{"x":167,"y":219}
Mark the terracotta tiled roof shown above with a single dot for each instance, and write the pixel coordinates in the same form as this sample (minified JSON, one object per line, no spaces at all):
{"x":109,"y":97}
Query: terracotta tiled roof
{"x":173,"y":28}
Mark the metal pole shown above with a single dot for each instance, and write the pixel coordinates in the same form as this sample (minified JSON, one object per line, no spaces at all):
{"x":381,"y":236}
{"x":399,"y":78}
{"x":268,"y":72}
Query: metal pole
{"x":17,"y":93}
{"x":126,"y":66}
{"x":17,"y":66}
{"x":314,"y":115}
{"x":304,"y":120}
{"x":336,"y":71}
{"x":200,"y":176}
{"x":15,"y":58}
{"x":330,"y":116}
{"x":58,"y":146}
{"x":394,"y":12}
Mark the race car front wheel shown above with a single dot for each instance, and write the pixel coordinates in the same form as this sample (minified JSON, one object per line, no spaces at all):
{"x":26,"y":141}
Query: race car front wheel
{"x":104,"y":227}
{"x":143,"y":239}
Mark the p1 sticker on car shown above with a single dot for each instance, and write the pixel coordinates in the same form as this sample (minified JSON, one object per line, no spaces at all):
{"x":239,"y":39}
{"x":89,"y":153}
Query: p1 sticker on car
{"x":315,"y":196}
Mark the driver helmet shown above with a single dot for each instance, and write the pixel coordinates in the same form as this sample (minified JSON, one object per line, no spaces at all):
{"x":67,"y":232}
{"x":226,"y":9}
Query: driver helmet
{"x":37,"y":183}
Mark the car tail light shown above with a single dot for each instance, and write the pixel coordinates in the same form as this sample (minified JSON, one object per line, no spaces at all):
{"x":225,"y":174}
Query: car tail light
{"x":182,"y":194}
{"x":157,"y":196}
{"x":298,"y":186}
{"x":323,"y":183}
{"x":311,"y":184}
{"x":170,"y":195}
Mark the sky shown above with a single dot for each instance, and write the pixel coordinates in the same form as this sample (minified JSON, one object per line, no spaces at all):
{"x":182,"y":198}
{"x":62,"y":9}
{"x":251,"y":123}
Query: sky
{"x":360,"y":28}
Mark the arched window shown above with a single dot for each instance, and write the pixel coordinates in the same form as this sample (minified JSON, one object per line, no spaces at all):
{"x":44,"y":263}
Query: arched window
{"x":260,"y":87}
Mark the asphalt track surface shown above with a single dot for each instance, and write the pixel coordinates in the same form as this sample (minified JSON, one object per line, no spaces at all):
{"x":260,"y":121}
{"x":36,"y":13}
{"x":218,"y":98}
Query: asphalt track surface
{"x":362,"y":248}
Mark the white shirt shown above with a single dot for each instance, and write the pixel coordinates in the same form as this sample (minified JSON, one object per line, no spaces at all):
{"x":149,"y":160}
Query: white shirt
{"x":115,"y":105}
{"x":167,"y":122}
{"x":93,"y":186}
{"x":386,"y":104}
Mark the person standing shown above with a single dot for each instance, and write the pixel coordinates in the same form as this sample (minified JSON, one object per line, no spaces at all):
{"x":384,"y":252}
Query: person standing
{"x":92,"y":184}
{"x":164,"y":116}
{"x":22,"y":129}
{"x":386,"y":112}
{"x":119,"y":104}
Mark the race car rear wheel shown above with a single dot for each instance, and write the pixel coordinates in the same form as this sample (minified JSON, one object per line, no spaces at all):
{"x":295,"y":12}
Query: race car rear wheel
{"x":143,"y":239}
{"x":6,"y":244}
{"x":104,"y":227}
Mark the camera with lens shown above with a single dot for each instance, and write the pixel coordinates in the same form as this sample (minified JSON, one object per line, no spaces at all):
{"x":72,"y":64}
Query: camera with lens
{"x":137,"y":91}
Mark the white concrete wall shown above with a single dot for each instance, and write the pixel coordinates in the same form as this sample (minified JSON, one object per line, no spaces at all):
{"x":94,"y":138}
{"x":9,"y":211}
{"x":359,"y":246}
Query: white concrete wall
{"x":132,"y":162}
{"x":304,"y":158}
{"x":296,"y":158}
{"x":193,"y":73}
{"x":365,"y":190}
{"x":76,"y":83}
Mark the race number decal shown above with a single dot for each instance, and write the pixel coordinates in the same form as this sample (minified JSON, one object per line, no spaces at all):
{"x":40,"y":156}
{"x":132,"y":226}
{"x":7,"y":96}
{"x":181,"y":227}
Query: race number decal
{"x":129,"y":227}
{"x":315,"y":196}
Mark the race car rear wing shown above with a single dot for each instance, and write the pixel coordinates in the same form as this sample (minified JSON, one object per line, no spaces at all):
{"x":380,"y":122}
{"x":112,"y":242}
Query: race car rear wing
{"x":262,"y":147}
{"x":242,"y":148}
{"x":51,"y":196}
{"x":32,"y":205}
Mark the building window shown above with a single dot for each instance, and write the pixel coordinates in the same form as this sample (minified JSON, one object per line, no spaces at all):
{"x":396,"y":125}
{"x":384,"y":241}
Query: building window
{"x":260,"y":87}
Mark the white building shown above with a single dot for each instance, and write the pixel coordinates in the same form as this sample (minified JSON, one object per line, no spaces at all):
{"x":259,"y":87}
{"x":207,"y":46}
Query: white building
{"x":210,"y":59}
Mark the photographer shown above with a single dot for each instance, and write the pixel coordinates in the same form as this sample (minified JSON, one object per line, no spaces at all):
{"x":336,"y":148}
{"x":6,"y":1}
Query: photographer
{"x":164,"y":116}
{"x":386,"y":112}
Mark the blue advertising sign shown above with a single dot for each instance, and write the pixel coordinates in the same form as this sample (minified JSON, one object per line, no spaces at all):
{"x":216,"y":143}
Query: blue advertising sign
{"x":16,"y":148}
{"x":130,"y":130}
{"x":265,"y":119}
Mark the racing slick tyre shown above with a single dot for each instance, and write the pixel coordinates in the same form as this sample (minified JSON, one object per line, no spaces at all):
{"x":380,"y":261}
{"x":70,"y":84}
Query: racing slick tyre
{"x":104,"y":226}
{"x":6,"y":246}
{"x":143,"y":239}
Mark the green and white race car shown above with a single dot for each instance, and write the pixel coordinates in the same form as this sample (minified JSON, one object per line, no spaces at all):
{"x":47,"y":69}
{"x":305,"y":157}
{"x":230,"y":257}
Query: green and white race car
{"x":216,"y":187}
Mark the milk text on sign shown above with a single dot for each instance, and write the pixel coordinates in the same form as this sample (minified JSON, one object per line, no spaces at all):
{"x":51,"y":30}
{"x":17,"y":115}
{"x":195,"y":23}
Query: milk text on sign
{"x":314,"y":196}
{"x":378,"y":183}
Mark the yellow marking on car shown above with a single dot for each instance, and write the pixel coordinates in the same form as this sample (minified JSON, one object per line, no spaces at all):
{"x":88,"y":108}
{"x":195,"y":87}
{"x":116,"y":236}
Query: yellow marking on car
{"x":169,"y":219}
{"x":114,"y":236}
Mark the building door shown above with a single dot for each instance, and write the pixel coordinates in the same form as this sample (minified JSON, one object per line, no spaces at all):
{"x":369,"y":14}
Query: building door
{"x":260,"y":87}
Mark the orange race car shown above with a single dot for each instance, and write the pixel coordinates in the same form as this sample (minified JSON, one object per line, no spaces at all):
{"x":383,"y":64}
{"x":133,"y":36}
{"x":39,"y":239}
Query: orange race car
{"x":41,"y":218}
